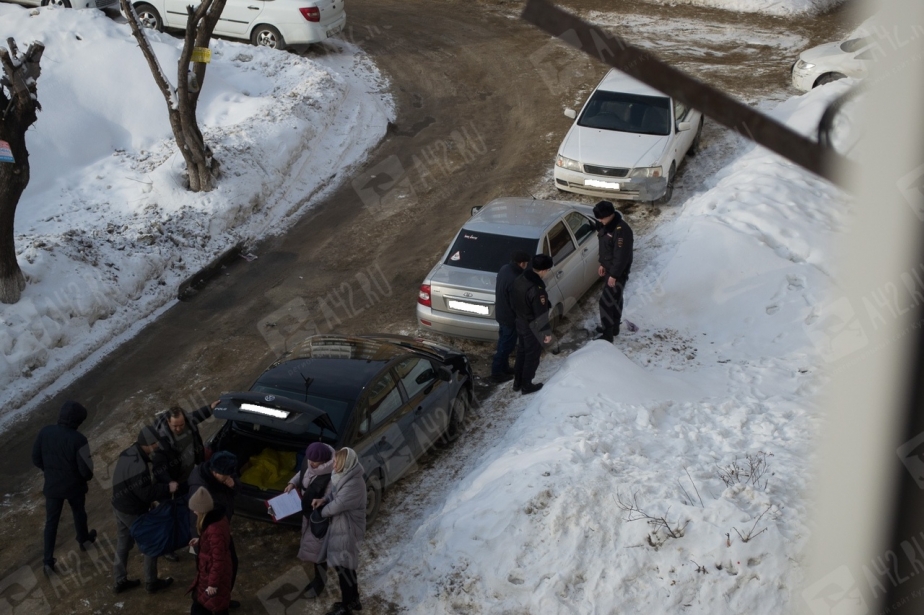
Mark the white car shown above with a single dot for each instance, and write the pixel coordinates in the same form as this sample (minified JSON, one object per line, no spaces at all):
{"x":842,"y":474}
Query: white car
{"x":832,"y":61}
{"x":627,"y":142}
{"x":269,"y":23}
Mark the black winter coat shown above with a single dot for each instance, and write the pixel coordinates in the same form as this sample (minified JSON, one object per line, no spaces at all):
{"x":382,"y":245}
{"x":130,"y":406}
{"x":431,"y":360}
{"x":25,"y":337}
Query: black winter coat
{"x":221,"y":494}
{"x":616,"y":248}
{"x":169,"y":459}
{"x":63,"y":454}
{"x":503,"y":294}
{"x":531,"y":302}
{"x":133,"y":488}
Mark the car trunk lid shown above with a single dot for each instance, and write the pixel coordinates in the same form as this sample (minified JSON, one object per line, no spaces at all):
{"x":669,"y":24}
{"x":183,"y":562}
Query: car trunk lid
{"x":276,"y":411}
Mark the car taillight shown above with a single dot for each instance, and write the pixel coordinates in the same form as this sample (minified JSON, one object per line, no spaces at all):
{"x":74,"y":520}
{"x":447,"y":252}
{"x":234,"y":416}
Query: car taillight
{"x":423,"y":297}
{"x":311,"y":13}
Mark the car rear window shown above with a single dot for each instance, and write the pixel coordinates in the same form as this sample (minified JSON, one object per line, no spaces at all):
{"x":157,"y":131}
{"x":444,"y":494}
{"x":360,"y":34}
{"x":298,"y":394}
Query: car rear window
{"x":649,"y":115}
{"x":486,"y":251}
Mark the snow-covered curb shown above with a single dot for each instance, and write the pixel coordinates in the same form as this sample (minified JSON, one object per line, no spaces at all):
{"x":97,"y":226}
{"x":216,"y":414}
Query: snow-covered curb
{"x":779,"y":8}
{"x":105,"y":230}
{"x":538,"y":526}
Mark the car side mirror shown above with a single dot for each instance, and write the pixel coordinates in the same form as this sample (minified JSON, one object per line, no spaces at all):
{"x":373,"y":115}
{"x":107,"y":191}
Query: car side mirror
{"x":684,"y":126}
{"x":476,"y":209}
{"x":444,"y":374}
{"x":570,"y":113}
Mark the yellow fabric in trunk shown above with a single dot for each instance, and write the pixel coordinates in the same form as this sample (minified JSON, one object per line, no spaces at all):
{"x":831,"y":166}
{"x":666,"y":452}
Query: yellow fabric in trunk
{"x":269,"y":470}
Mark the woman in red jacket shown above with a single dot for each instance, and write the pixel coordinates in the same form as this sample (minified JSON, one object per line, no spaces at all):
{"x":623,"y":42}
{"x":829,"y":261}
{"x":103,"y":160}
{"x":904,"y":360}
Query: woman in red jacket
{"x":211,"y":590}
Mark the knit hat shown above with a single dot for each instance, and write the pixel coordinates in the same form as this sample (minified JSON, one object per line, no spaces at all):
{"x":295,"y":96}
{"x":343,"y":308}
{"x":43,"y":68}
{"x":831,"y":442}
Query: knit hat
{"x":201,"y":501}
{"x":318,"y":452}
{"x":223,"y":462}
{"x":541,"y":262}
{"x":519,"y":257}
{"x":147,"y":436}
{"x":604,"y":209}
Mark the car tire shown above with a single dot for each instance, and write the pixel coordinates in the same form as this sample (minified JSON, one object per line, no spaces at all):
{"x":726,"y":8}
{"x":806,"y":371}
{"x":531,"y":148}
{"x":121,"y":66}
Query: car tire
{"x":149,"y":17}
{"x":267,"y":36}
{"x":456,"y":424}
{"x":828,"y":78}
{"x":64,"y":4}
{"x":373,"y":498}
{"x":670,"y":187}
{"x":694,"y":147}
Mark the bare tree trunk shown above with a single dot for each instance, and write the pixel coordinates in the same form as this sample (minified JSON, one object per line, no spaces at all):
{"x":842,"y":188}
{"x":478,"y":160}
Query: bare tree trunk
{"x":201,"y":166}
{"x":19,"y":108}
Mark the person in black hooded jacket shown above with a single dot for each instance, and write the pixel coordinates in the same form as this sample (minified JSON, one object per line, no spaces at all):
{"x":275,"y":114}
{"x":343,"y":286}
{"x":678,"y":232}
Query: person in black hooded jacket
{"x":63,"y":454}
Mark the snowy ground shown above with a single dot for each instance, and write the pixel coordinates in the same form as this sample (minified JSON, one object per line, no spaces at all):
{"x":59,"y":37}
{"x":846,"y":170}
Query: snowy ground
{"x":704,"y":419}
{"x":769,"y":7}
{"x":105,"y":230}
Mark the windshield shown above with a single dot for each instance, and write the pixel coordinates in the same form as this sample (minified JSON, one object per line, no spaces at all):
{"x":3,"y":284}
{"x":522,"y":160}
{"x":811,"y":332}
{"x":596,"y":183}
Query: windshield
{"x":854,"y":44}
{"x":485,"y":251}
{"x":647,"y":115}
{"x":336,"y":409}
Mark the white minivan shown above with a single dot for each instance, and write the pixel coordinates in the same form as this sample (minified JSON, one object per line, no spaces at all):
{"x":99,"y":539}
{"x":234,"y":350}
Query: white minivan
{"x":269,"y":23}
{"x":627,"y":142}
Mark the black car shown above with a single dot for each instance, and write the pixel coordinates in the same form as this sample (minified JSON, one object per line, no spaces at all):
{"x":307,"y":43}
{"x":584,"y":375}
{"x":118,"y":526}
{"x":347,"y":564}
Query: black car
{"x":388,"y":397}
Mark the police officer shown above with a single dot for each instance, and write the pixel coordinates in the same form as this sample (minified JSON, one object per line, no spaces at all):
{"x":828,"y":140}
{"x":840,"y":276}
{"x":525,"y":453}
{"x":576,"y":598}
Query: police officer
{"x":531,"y":304}
{"x":615,"y":257}
{"x":505,"y":316}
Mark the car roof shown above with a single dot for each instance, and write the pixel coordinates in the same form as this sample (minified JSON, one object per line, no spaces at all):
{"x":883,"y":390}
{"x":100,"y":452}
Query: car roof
{"x":339,"y":366}
{"x":517,"y":217}
{"x":618,"y":81}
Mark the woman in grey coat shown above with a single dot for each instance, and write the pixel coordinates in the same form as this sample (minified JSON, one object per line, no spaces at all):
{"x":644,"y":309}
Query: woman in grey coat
{"x":346,"y":508}
{"x":313,"y":481}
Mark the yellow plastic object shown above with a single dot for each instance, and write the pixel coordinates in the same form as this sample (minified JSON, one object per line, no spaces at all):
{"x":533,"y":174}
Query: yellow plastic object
{"x":202,"y":54}
{"x":270,"y":470}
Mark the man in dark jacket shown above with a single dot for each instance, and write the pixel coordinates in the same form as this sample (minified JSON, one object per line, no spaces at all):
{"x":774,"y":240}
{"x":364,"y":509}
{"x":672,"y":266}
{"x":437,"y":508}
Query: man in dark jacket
{"x":219,"y":476}
{"x":531,"y":304}
{"x":505,"y":316}
{"x":615,"y":237}
{"x":134,"y":492}
{"x":63,"y":454}
{"x":181,"y":447}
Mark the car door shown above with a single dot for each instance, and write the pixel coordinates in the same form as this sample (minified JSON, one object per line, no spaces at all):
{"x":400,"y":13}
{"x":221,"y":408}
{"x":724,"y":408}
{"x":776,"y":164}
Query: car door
{"x":175,"y":14}
{"x":428,"y":399}
{"x":682,"y":140}
{"x":567,"y":274}
{"x":583,"y":230}
{"x":381,"y":429}
{"x":238,"y":15}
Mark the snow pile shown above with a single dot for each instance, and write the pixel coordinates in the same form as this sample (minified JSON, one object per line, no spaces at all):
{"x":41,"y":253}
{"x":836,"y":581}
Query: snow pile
{"x":638,"y":483}
{"x":105,"y":231}
{"x":768,"y":7}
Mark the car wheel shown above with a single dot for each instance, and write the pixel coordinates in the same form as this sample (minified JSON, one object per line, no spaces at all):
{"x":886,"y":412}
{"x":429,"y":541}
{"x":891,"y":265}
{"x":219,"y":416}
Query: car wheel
{"x":149,"y":17}
{"x":64,"y":4}
{"x":373,"y":498}
{"x":456,"y":419}
{"x":670,"y":187}
{"x":267,"y":36}
{"x":694,"y":147}
{"x":828,"y":78}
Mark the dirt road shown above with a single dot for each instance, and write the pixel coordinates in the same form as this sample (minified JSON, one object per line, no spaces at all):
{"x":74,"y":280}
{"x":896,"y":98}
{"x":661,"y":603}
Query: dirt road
{"x":480,"y":98}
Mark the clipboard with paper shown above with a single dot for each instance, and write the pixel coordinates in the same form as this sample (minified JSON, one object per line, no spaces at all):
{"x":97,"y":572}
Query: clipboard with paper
{"x":284,"y":505}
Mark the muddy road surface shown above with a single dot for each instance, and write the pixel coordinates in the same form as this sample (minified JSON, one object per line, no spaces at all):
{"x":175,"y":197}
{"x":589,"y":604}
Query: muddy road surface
{"x":479,"y":115}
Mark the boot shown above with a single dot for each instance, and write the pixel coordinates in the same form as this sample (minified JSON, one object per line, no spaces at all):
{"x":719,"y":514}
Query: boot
{"x":606,"y":334}
{"x":530,"y":387}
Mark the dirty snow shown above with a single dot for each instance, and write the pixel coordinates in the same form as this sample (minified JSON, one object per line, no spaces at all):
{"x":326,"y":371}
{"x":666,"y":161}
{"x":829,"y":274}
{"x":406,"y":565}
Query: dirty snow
{"x":704,"y":419}
{"x":769,"y":7}
{"x":105,"y":231}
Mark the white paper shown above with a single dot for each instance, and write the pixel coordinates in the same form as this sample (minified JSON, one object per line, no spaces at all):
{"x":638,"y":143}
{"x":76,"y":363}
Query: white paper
{"x":285,"y":505}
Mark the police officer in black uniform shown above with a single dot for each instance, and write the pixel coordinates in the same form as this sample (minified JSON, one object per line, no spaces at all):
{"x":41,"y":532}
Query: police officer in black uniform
{"x":531,"y":304}
{"x":615,"y":257}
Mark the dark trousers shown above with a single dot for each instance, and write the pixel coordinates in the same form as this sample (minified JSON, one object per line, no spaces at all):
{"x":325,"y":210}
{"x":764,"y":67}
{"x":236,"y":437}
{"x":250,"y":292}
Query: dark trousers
{"x":529,"y":350}
{"x":611,"y":306}
{"x":53,"y":509}
{"x":233,"y":562}
{"x":124,"y":544}
{"x":349,"y":585}
{"x":506,"y":341}
{"x":198,"y":609}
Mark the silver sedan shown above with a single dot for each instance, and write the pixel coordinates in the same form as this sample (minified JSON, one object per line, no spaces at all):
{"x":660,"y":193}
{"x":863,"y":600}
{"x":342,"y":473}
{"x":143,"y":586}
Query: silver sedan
{"x":457,"y":297}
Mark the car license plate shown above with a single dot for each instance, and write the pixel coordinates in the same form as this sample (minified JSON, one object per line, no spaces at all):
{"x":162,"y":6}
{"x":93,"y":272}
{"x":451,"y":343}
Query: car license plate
{"x":482,"y":310}
{"x":596,"y":183}
{"x":334,"y":31}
